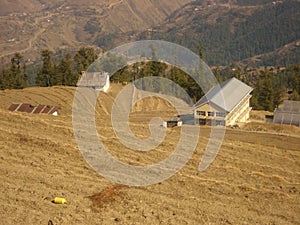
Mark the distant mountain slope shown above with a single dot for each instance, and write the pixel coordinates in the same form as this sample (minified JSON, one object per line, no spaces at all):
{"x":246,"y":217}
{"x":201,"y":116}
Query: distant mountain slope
{"x":24,"y":6}
{"x":234,"y":32}
{"x":29,"y":26}
{"x":251,"y":31}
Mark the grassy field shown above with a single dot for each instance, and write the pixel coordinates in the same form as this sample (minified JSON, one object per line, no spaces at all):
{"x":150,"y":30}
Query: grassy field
{"x":254,"y":179}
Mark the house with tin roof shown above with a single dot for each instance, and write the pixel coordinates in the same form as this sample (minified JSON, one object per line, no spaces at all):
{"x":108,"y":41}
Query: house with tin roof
{"x":226,"y":104}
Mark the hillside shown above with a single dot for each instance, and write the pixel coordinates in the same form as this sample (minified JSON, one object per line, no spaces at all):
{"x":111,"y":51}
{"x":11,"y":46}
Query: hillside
{"x":58,"y":25}
{"x":256,"y":33}
{"x":233,"y":32}
{"x":254,"y":179}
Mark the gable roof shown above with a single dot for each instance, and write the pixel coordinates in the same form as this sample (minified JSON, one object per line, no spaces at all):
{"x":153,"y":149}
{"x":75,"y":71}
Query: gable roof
{"x":226,"y":96}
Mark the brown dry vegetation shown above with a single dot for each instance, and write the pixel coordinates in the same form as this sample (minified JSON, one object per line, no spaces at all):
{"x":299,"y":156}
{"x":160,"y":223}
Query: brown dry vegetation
{"x":254,"y":179}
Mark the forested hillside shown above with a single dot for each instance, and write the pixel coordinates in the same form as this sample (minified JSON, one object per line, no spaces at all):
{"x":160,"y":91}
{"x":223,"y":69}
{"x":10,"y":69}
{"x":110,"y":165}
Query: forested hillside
{"x":255,"y":33}
{"x":231,"y":34}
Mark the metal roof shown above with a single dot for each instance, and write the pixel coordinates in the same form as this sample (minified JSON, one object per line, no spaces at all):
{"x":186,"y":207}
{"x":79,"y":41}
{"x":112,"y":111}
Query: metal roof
{"x":28,"y":108}
{"x":291,"y":106}
{"x":288,"y":114}
{"x":227,"y":95}
{"x":93,"y":79}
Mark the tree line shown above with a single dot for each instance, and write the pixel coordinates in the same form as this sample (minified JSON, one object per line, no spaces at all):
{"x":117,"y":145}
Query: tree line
{"x":270,"y":84}
{"x":65,"y":71}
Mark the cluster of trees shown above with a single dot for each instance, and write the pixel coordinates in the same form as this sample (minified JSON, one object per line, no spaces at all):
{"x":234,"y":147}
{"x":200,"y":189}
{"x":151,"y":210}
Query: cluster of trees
{"x":271,"y":87}
{"x":267,"y":94}
{"x":67,"y":71}
{"x":64,"y":72}
{"x":292,"y":80}
{"x":158,"y":69}
{"x":15,"y":76}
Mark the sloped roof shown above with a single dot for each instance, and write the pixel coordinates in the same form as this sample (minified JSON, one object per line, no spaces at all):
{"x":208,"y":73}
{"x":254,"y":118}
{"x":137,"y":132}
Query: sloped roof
{"x":288,"y":114}
{"x":226,"y":95}
{"x":291,"y":106}
{"x":28,"y":108}
{"x":92,"y":79}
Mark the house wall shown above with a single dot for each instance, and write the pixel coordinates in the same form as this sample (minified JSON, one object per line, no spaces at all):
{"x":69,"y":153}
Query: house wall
{"x":241,"y":113}
{"x":211,"y":113}
{"x":107,"y":85}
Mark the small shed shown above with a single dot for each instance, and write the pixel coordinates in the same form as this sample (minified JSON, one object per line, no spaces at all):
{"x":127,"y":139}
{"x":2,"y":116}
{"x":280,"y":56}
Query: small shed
{"x":173,"y":122}
{"x":288,"y":114}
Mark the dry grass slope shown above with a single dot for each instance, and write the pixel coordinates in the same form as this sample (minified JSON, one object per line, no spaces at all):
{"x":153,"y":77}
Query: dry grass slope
{"x":254,"y":179}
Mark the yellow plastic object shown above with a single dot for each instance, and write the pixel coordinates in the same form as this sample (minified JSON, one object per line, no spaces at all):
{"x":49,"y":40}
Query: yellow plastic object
{"x":60,"y":200}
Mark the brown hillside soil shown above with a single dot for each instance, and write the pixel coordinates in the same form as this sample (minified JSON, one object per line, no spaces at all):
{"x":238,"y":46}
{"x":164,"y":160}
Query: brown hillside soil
{"x":28,"y":27}
{"x":253,"y":180}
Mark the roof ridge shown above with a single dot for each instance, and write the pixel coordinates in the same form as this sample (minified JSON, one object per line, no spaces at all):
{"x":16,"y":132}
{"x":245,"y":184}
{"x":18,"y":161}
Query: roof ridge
{"x":226,"y":82}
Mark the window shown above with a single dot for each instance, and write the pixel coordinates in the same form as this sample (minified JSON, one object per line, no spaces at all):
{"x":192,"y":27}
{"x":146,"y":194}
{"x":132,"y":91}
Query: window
{"x":220,"y":114}
{"x":202,"y":121}
{"x":201,"y":113}
{"x":220,"y":123}
{"x":211,"y":113}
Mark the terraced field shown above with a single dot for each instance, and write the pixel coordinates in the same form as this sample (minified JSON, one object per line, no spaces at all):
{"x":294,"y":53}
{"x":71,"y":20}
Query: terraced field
{"x":254,"y":179}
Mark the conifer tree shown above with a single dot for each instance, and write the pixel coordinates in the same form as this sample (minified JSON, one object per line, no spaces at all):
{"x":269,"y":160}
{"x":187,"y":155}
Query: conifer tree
{"x":65,"y":74}
{"x":45,"y":76}
{"x":84,"y":58}
{"x":15,"y":77}
{"x":265,"y":91}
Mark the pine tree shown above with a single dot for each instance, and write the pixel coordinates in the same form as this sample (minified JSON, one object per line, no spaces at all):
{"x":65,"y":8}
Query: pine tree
{"x":15,"y":77}
{"x":265,"y":95}
{"x":84,"y":58}
{"x":65,"y":74}
{"x":45,"y":76}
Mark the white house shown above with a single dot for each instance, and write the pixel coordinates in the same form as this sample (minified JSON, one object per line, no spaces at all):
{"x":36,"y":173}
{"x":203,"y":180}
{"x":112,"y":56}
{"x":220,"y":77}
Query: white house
{"x":226,"y":104}
{"x":97,"y":80}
